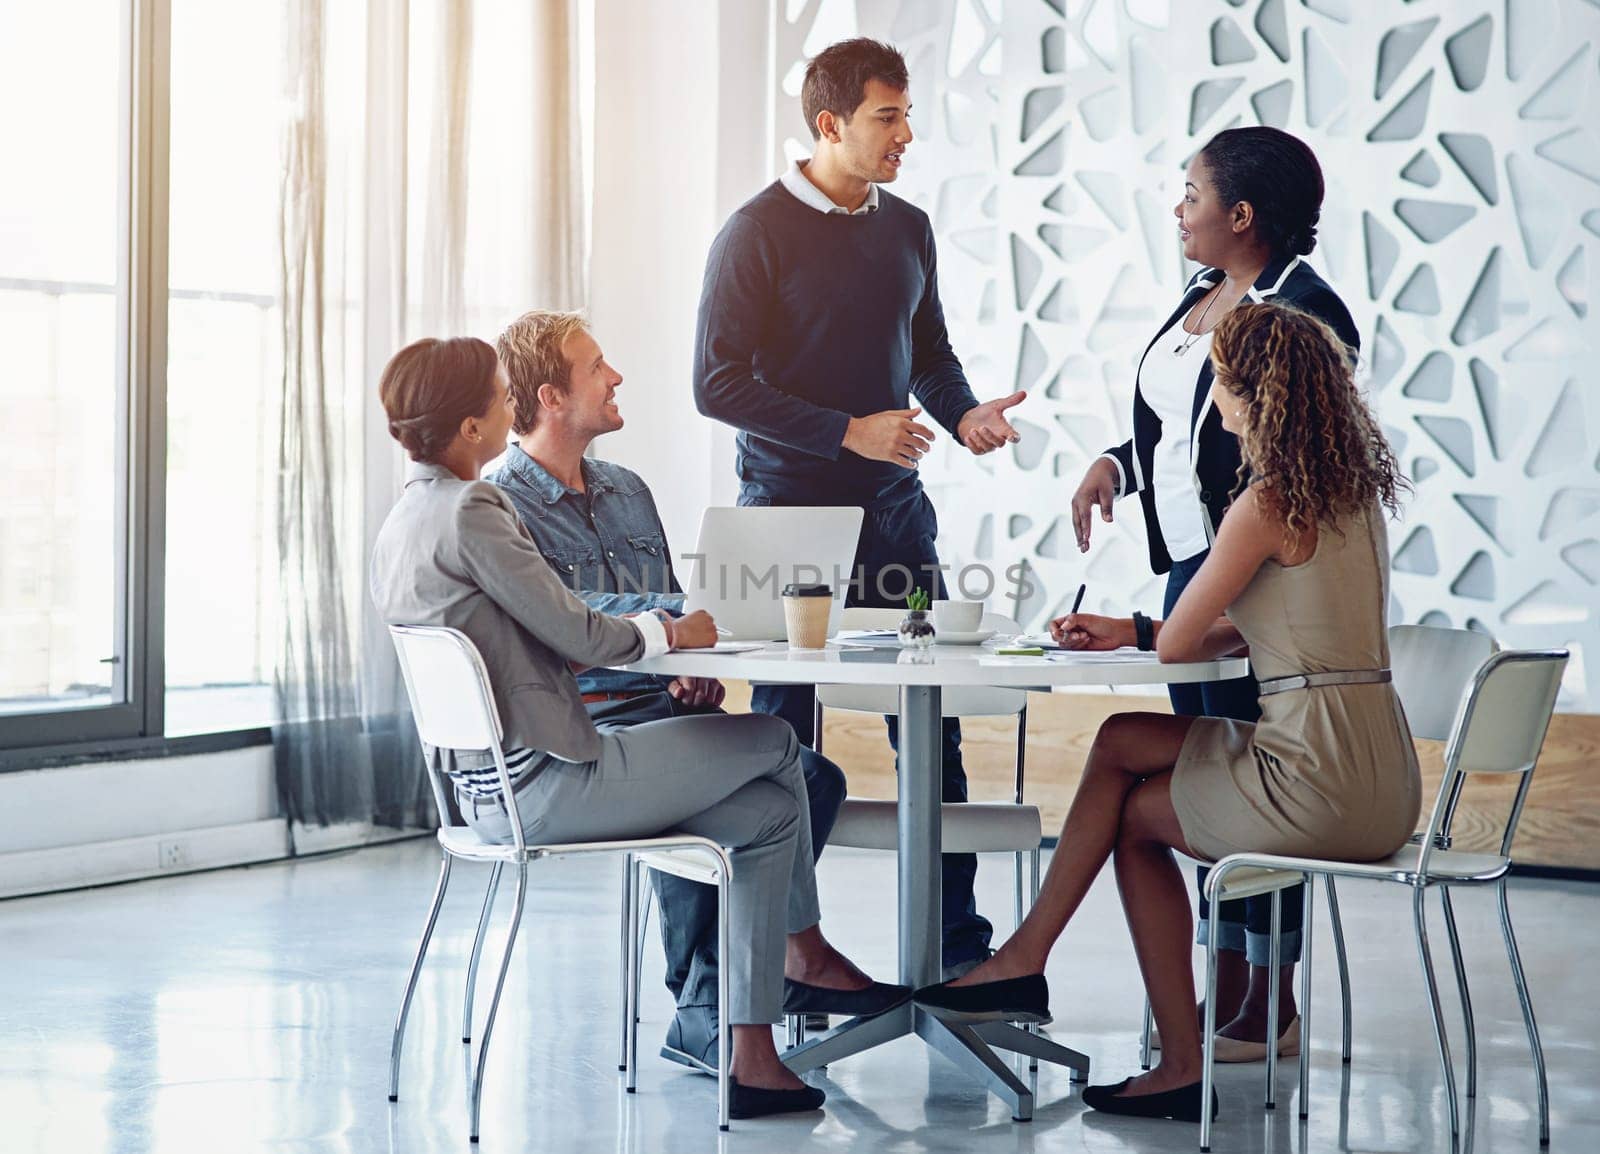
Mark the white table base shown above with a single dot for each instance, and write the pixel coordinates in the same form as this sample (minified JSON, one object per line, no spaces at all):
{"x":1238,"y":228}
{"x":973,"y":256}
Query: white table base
{"x":971,"y":1047}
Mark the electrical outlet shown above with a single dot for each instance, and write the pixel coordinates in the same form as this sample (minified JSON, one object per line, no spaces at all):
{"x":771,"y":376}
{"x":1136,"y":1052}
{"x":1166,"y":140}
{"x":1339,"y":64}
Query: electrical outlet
{"x":174,"y":855}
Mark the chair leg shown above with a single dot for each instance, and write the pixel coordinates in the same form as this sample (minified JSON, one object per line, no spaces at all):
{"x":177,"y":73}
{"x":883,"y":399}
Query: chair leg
{"x":1305,"y":1000}
{"x":411,"y":982}
{"x":630,"y":1015}
{"x":629,"y":908}
{"x":1273,"y":963}
{"x":477,"y":951}
{"x":1419,"y":916}
{"x":1344,"y":966}
{"x":1521,"y":979}
{"x":724,"y":1041}
{"x":647,"y":898}
{"x":1208,"y":1031}
{"x":494,"y":1002}
{"x":1144,"y":1037}
{"x":1461,"y":985}
{"x":1033,"y":896}
{"x":1016,"y":889}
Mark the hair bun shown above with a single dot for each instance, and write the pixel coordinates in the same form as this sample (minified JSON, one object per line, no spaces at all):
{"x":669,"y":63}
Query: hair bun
{"x":1275,"y":172}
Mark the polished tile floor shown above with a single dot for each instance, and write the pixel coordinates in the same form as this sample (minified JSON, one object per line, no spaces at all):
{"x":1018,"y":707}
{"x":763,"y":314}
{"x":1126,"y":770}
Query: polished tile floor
{"x":250,"y":1009}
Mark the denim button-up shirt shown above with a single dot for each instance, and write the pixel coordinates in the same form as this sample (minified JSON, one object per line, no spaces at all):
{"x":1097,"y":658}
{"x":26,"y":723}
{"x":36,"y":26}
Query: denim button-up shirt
{"x":607,"y":544}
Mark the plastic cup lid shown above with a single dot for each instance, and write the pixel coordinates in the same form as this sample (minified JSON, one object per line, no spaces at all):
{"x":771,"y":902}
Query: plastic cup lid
{"x":807,"y":591}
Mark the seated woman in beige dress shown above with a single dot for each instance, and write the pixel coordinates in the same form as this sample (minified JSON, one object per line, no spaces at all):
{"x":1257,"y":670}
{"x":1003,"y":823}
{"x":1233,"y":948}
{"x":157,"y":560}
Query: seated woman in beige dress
{"x":1298,"y":578}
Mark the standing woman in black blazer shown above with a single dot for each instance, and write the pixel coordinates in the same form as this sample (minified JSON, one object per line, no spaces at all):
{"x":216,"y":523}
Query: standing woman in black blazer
{"x":1251,"y":200}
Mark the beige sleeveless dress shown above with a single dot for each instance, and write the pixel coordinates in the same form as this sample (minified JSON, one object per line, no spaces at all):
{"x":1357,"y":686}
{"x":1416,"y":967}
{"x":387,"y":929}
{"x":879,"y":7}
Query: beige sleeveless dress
{"x":1327,"y":772}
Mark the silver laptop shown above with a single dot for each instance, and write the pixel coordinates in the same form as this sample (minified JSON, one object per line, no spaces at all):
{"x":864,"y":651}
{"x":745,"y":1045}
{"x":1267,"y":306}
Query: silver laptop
{"x":745,"y":556}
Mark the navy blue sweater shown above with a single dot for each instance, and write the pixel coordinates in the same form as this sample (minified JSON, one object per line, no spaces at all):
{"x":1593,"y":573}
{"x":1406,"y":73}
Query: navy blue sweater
{"x":808,"y":319}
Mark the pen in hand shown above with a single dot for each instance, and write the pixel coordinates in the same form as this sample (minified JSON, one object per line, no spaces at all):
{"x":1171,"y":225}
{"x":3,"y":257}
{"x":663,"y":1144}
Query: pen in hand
{"x":1061,"y":638}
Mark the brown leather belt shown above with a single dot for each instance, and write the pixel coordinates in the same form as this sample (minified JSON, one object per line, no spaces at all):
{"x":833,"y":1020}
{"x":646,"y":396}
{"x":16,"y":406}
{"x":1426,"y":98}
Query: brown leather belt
{"x":596,"y":698}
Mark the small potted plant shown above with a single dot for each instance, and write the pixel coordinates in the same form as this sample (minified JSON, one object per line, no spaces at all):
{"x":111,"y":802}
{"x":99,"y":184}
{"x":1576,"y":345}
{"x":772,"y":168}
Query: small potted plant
{"x":916,"y":631}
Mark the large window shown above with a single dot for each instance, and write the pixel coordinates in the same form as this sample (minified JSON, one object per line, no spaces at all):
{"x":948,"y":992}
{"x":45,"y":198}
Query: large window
{"x":224,"y":364}
{"x":138,"y":308}
{"x":65,"y":239}
{"x":151,"y":429}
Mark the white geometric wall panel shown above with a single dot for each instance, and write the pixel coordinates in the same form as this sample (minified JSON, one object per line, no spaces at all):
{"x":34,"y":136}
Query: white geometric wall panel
{"x":1461,"y":145}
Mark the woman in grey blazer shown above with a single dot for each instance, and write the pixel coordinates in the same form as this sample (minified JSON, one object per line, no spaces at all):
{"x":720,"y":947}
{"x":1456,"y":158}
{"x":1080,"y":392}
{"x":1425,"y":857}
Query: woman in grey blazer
{"x":453,"y":552}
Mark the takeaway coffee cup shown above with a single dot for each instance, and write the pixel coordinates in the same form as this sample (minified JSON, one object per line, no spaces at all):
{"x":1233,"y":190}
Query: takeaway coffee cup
{"x":805,"y":614}
{"x":957,"y":616}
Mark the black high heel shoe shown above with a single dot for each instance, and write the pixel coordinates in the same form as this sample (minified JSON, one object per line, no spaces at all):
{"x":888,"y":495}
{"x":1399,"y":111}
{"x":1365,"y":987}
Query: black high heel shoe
{"x":1025,"y":999}
{"x":1180,"y":1105}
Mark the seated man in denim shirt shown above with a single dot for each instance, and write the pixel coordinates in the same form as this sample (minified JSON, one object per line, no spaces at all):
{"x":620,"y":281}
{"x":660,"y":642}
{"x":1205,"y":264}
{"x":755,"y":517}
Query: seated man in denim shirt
{"x":597,"y":525}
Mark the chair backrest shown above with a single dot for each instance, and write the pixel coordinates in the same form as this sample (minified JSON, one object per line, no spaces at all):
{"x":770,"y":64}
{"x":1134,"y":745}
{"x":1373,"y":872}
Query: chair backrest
{"x":448,"y":687}
{"x":1499,"y":729}
{"x":1432,"y":671}
{"x":452,"y":703}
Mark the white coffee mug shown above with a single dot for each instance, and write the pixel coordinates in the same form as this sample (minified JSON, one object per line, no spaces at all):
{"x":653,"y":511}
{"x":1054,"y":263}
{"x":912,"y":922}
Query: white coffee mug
{"x":957,"y":616}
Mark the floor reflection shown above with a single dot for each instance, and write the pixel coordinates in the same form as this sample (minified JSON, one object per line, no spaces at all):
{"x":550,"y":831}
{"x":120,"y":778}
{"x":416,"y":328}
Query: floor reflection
{"x":251,"y":1009}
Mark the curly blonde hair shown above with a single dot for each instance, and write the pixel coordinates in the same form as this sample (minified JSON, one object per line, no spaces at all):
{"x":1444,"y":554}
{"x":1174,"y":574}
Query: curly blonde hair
{"x":1305,"y":431}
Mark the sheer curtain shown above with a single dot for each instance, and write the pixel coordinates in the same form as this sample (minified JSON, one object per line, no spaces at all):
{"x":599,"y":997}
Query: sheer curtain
{"x":431,"y":187}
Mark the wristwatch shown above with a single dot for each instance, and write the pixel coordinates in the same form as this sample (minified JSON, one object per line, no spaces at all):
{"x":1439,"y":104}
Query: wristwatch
{"x":1144,"y":633}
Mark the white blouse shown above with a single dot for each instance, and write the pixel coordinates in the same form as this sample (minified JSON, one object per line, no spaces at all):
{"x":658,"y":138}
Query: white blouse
{"x":1167,"y":381}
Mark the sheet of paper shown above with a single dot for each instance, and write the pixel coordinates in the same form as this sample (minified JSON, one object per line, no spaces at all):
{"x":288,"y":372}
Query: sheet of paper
{"x":1105,"y":657}
{"x":736,"y":646}
{"x":1042,"y":641}
{"x":865,"y":640}
{"x":1073,"y":657}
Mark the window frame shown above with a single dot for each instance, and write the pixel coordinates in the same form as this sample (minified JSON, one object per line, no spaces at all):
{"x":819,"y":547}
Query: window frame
{"x":137,"y":709}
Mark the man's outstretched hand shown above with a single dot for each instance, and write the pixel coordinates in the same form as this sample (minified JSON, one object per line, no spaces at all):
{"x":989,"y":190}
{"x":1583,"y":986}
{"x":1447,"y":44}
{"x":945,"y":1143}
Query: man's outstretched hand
{"x":985,"y":428}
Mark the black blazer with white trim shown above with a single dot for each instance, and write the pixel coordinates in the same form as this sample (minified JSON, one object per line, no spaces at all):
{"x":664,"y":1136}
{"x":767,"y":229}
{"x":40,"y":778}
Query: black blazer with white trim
{"x":1215,"y":450}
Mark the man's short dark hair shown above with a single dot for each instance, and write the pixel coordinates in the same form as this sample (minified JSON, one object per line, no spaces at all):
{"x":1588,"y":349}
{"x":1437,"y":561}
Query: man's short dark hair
{"x":836,"y":77}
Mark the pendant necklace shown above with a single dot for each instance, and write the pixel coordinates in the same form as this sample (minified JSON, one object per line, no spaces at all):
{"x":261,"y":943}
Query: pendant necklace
{"x":1189,"y":339}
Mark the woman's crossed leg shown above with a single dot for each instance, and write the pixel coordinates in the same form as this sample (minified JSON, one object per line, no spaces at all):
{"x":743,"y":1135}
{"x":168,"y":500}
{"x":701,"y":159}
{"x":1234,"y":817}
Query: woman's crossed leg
{"x":1124,"y":807}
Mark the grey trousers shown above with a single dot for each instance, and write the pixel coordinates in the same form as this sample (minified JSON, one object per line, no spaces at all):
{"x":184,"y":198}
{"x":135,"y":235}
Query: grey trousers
{"x":733,"y":779}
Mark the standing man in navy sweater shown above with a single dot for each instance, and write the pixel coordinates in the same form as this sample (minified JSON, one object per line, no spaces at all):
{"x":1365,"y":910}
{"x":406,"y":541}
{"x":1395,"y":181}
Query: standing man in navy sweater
{"x":819,"y":321}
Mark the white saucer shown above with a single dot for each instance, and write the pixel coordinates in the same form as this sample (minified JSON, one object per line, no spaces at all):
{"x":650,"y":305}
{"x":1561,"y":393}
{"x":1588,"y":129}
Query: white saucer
{"x":976,"y":638}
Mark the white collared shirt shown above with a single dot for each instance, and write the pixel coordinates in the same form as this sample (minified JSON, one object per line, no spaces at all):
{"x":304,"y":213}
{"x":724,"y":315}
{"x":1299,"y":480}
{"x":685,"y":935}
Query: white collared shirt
{"x":800,"y":187}
{"x":1167,"y":381}
{"x":653,"y":632}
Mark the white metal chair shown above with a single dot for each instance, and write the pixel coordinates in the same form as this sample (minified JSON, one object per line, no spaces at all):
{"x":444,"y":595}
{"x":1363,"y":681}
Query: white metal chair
{"x":1499,"y":728}
{"x":454,"y":709}
{"x":1432,"y":668}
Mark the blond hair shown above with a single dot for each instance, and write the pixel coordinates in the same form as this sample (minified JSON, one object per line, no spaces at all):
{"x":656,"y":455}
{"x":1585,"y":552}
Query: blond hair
{"x":531,"y":350}
{"x":1306,"y":432}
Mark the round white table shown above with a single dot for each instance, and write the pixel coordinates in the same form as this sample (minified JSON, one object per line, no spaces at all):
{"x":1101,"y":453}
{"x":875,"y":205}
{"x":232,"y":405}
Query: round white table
{"x":920,"y":677}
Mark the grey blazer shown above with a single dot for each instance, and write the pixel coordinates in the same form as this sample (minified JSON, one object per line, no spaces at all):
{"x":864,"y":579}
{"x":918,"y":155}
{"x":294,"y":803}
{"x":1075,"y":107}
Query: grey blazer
{"x":453,"y":553}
